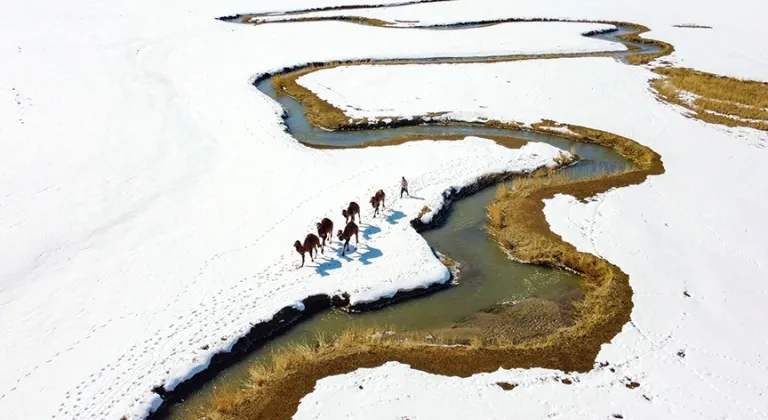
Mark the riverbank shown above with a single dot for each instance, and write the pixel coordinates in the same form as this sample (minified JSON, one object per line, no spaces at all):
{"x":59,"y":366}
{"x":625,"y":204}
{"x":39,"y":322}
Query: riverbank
{"x":600,"y":315}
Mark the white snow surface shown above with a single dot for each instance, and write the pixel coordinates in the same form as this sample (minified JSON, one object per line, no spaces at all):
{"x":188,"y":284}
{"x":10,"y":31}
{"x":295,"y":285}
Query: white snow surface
{"x":725,"y":49}
{"x":149,"y":199}
{"x":699,"y":229}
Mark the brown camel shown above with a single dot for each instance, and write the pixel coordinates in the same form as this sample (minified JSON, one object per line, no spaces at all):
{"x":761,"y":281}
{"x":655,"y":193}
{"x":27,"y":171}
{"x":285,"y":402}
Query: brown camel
{"x":376,"y":201}
{"x":351,"y":211}
{"x":349,"y":230}
{"x":324,"y":231}
{"x":311,"y":242}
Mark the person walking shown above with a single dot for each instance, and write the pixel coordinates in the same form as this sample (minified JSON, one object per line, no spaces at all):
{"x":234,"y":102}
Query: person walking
{"x":404,"y":187}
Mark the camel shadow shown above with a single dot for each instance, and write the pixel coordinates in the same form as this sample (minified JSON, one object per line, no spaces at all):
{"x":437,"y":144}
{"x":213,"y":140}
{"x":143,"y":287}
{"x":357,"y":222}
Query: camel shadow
{"x":370,"y":254}
{"x":350,"y":249}
{"x":324,"y":267}
{"x":414,"y":197}
{"x":395,"y":216}
{"x":370,"y":231}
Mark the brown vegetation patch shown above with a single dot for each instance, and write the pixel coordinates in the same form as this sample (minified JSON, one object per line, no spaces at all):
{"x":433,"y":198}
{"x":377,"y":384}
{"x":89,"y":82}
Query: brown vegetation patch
{"x":533,"y":317}
{"x":524,"y":232}
{"x":713,"y":98}
{"x":640,"y":59}
{"x":506,"y":386}
{"x":423,"y":211}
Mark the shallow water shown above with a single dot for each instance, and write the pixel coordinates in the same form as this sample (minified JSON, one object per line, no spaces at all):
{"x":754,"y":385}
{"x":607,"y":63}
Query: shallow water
{"x":487,"y":278}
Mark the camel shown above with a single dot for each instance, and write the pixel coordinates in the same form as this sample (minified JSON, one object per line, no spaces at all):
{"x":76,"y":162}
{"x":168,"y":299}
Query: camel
{"x":311,"y":243}
{"x":376,"y":201}
{"x":346,"y":235}
{"x":325,"y":232}
{"x":351,"y":211}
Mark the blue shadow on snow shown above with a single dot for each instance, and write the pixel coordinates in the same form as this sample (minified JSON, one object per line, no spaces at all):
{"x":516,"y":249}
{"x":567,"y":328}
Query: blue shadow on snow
{"x":369,"y":231}
{"x":395,"y":216}
{"x":369,"y":254}
{"x":332,"y":264}
{"x":350,"y":249}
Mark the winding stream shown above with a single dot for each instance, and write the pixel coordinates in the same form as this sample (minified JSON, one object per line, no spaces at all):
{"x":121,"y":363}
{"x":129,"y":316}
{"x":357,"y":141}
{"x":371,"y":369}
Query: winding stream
{"x":488,"y":278}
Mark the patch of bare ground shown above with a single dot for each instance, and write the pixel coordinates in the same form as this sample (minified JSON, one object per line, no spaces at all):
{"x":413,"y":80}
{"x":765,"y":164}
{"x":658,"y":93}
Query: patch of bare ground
{"x":570,"y":343}
{"x":506,"y":386}
{"x":713,"y":98}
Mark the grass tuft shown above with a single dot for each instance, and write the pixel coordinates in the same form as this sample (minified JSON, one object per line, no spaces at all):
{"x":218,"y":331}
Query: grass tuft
{"x":713,"y":98}
{"x":423,"y":211}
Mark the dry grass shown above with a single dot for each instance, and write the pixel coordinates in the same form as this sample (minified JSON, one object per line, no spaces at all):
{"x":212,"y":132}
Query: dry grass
{"x":715,"y":99}
{"x":524,"y":232}
{"x":423,"y":211}
{"x":640,"y":59}
{"x":641,"y":156}
{"x":319,"y":112}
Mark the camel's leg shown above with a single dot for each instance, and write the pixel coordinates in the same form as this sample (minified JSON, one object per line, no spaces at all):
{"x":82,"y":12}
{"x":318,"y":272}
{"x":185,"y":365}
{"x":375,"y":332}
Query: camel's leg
{"x":357,"y":241}
{"x":302,"y":260}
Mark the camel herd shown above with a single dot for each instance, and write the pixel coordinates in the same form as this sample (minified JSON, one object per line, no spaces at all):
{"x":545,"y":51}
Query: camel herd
{"x":313,"y":242}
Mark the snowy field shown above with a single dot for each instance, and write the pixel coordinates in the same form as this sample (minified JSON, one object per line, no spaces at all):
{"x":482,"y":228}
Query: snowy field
{"x":697,"y":229}
{"x":149,"y":199}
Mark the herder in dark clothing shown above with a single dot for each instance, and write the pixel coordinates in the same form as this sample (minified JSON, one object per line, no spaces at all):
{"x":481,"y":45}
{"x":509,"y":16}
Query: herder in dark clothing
{"x":404,"y":187}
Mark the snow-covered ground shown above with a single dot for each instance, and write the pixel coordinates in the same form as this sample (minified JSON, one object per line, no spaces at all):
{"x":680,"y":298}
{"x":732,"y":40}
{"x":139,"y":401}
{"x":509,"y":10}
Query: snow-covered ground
{"x":726,"y":49}
{"x":699,"y":230}
{"x":149,"y":197}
